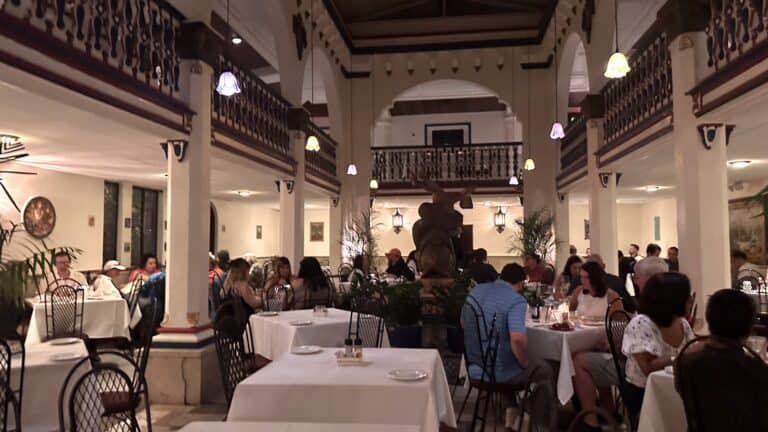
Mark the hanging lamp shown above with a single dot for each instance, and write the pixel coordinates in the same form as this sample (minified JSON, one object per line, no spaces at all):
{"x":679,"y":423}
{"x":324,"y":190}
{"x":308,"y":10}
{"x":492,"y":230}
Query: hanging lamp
{"x":351,"y":168}
{"x":557,"y":131}
{"x":312,"y":144}
{"x":529,"y":164}
{"x":227,"y":85}
{"x":618,"y":66}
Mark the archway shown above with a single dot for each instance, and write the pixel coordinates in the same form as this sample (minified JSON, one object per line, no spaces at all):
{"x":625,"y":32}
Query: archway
{"x":573,"y":77}
{"x":320,"y":76}
{"x":213,"y":230}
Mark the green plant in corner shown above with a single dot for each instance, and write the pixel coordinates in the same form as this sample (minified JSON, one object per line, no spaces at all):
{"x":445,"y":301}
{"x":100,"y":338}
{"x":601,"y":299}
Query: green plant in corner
{"x":358,"y":236}
{"x":451,"y":298}
{"x":402,"y":304}
{"x":534,"y":234}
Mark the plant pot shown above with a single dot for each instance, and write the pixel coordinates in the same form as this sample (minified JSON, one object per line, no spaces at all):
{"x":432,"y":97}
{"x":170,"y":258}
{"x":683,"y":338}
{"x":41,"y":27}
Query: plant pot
{"x":405,"y":337}
{"x":455,"y":339}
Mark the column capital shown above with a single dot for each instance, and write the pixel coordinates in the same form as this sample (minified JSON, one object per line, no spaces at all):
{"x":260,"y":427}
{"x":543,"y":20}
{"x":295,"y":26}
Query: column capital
{"x":298,"y":119}
{"x":677,"y":17}
{"x":593,"y":107}
{"x":605,"y":178}
{"x":708,"y":133}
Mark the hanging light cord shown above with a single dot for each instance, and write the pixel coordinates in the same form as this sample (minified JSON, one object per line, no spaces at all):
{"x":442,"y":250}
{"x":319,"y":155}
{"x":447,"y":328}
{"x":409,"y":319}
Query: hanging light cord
{"x":312,"y":48}
{"x":554,"y":59}
{"x":616,"y":23}
{"x":528,"y":86}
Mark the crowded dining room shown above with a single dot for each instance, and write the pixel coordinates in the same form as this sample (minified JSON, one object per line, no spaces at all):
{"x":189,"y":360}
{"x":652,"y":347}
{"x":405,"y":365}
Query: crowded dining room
{"x":383,"y":216}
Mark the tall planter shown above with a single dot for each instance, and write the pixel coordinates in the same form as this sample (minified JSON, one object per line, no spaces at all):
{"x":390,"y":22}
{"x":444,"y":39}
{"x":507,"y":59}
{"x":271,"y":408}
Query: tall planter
{"x":405,"y":336}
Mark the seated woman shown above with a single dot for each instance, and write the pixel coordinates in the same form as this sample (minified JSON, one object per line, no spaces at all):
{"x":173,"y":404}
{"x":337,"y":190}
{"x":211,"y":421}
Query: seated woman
{"x":656,"y":334}
{"x":311,"y":287}
{"x":591,"y":299}
{"x":570,"y":279}
{"x":282,"y":275}
{"x":147,"y":267}
{"x":236,"y":288}
{"x":104,"y":284}
{"x":361,"y":268}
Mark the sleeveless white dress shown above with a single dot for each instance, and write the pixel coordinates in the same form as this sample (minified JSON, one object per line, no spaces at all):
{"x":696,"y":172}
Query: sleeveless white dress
{"x":592,"y":306}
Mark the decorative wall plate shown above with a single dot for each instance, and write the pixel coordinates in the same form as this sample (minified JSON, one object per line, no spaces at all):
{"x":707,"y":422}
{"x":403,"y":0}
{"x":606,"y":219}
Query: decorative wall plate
{"x":39,"y":217}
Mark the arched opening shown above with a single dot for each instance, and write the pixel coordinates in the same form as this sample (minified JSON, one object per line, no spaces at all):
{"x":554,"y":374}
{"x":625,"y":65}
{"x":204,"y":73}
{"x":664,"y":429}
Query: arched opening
{"x":319,"y":93}
{"x":212,"y":231}
{"x":573,"y":79}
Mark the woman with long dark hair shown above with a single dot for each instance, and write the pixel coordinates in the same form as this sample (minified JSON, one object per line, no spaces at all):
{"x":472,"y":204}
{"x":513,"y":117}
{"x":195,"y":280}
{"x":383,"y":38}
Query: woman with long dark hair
{"x":570,"y":278}
{"x":591,"y":299}
{"x":311,"y":287}
{"x":236,"y":286}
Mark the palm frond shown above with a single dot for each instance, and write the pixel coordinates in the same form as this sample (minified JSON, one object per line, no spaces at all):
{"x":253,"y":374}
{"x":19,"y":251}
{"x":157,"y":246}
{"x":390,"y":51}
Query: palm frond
{"x":534,"y":234}
{"x":358,"y":236}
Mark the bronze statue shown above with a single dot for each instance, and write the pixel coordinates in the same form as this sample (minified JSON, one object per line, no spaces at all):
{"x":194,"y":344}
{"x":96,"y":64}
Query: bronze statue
{"x":440,"y":223}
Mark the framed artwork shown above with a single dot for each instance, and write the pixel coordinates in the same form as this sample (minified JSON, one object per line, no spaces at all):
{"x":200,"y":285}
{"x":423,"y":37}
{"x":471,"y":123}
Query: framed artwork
{"x":316,"y":231}
{"x":258,"y":232}
{"x":447,"y":134}
{"x":748,"y":228}
{"x":586,"y":229}
{"x":657,"y":228}
{"x":39,"y":217}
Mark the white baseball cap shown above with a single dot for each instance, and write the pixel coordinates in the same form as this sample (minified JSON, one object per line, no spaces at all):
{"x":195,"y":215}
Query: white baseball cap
{"x":113,"y":264}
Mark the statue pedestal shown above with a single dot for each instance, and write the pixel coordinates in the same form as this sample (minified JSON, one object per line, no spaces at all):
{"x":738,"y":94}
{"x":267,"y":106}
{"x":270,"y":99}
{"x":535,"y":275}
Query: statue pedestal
{"x":428,"y":283}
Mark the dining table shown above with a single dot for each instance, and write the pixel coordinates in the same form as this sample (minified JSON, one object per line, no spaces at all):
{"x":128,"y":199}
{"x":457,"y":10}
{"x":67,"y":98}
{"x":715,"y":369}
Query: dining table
{"x":103,"y":317}
{"x":559,"y":346}
{"x":663,"y":409}
{"x":276,"y":334}
{"x":381,"y":390}
{"x":46,"y":367}
{"x":291,"y":427}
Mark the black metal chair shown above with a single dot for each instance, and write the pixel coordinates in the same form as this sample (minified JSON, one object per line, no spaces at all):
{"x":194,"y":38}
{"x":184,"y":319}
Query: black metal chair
{"x":344,"y":270}
{"x":18,"y":360}
{"x":366,"y":323}
{"x":234,"y":363}
{"x":132,"y":297}
{"x":64,"y":312}
{"x":475,"y":326}
{"x":540,"y":403}
{"x":615,"y":325}
{"x":10,"y":404}
{"x":278,"y":299}
{"x":609,"y":425}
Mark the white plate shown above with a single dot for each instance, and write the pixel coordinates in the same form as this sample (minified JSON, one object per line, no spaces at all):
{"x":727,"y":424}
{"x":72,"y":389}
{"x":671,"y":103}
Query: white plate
{"x":670,"y":370}
{"x":269,"y":313}
{"x":300,"y":323}
{"x":64,"y":341}
{"x":306,"y":349}
{"x":66,"y":357}
{"x":592,"y":323}
{"x":407,"y":374}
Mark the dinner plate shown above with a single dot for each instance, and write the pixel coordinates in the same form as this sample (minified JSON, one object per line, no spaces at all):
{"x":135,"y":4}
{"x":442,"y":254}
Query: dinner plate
{"x":306,"y":349}
{"x":62,"y":357}
{"x":407,"y":374}
{"x":301,"y":323}
{"x":592,"y":323}
{"x":670,"y":370}
{"x":269,"y":313}
{"x":64,"y":341}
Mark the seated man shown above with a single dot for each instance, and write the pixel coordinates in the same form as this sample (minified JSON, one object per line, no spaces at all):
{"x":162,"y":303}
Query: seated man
{"x":104,"y":284}
{"x":479,"y":270}
{"x":62,"y":269}
{"x":397,"y":266}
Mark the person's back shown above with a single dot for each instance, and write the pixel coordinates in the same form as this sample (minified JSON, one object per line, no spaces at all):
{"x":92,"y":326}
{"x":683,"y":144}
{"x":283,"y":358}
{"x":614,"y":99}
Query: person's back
{"x":481,"y":272}
{"x":500,"y":299}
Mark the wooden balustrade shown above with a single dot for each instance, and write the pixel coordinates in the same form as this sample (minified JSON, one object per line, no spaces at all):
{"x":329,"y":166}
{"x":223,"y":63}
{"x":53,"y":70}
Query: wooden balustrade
{"x":476,"y":163}
{"x":257,"y":116}
{"x":641,"y":98}
{"x":135,"y":37}
{"x":735,"y":27}
{"x":573,"y":147}
{"x":322,"y":162}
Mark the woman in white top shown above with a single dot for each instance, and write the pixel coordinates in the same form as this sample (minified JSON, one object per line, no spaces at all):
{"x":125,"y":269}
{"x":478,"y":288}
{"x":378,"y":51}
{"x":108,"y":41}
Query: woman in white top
{"x":592,"y":298}
{"x":656,"y":334}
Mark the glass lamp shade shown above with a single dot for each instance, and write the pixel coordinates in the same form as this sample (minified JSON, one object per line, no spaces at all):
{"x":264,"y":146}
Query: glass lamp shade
{"x":312,"y":144}
{"x":374,"y":184}
{"x":228,"y":85}
{"x":397,"y":221}
{"x":500,"y":220}
{"x":618,"y":66}
{"x":530,"y":165}
{"x":514,"y":181}
{"x":557,"y":131}
{"x":352,"y":170}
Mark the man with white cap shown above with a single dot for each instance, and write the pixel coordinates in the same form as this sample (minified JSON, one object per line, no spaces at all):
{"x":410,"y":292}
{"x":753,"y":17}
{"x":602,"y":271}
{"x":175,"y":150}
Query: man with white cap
{"x":104,"y":285}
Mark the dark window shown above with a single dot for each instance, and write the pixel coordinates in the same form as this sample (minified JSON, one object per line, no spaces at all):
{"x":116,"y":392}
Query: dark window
{"x":111,"y":204}
{"x":448,"y":137}
{"x":144,"y":223}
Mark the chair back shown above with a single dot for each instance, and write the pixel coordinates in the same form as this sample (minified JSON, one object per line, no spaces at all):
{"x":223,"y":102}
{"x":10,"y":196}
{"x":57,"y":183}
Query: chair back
{"x":317,"y":292}
{"x":480,"y":339}
{"x":17,"y":361}
{"x":366,"y":322}
{"x":143,"y":342}
{"x":615,"y":325}
{"x":714,"y":377}
{"x":277,"y":300}
{"x":8,"y":402}
{"x":132,"y":298}
{"x":344,"y":270}
{"x":64,"y":312}
{"x":230,"y":350}
{"x":610,"y":424}
{"x":541,"y":405}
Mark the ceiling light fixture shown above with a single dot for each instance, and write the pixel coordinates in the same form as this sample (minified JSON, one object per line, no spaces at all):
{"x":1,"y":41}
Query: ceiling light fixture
{"x":529,"y":165}
{"x":236,"y":40}
{"x":652,"y":188}
{"x":245,"y":193}
{"x":313,"y":144}
{"x":514,"y":181}
{"x":739,"y":164}
{"x":500,"y":220}
{"x":557,"y":131}
{"x":374,"y":184}
{"x":351,"y":168}
{"x":618,"y":66}
{"x":228,"y":85}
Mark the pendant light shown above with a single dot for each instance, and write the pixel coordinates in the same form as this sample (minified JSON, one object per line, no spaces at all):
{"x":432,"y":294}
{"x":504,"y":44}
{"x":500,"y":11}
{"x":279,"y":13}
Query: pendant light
{"x":529,"y":164}
{"x":227,"y":85}
{"x":351,"y":168}
{"x":514,"y":181}
{"x":557,"y":131}
{"x":312,"y":144}
{"x":618,"y":66}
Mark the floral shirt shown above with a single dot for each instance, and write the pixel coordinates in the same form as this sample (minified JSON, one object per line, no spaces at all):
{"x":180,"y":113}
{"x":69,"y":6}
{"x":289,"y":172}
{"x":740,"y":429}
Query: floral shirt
{"x":643,"y":335}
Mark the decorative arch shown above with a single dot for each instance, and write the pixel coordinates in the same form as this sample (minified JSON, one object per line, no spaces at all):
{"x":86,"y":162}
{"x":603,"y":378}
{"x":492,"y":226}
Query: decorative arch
{"x":567,"y":59}
{"x":326,"y":74}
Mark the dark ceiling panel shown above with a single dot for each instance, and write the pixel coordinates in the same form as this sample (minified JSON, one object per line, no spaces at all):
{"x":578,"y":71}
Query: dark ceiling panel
{"x":446,"y":106}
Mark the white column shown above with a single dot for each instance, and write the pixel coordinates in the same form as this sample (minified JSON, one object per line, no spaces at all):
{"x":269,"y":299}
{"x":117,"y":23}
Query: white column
{"x":540,"y":189}
{"x":186,"y":299}
{"x":562,"y":229}
{"x":702,"y":184}
{"x":292,"y":205}
{"x":603,"y":226}
{"x":335,"y":221}
{"x":125,"y":205}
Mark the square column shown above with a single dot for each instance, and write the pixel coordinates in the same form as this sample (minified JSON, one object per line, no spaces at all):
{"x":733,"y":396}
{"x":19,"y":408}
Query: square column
{"x":603,"y":232}
{"x":188,"y":209}
{"x":124,"y":211}
{"x":292,"y":204}
{"x":701,"y":182}
{"x":562,"y":229}
{"x":335,"y":222}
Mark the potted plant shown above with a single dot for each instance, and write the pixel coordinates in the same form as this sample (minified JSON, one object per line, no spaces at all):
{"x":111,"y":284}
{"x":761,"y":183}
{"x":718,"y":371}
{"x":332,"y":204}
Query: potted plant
{"x":534,"y":234}
{"x":402,"y":314}
{"x":358,"y":237}
{"x":450,"y":299}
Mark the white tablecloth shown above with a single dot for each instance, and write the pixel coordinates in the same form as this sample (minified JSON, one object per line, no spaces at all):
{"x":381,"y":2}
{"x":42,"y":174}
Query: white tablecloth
{"x":663,"y":409}
{"x":314,"y":389}
{"x":273,"y":336}
{"x":107,"y":317}
{"x":43,"y":379}
{"x":291,"y":427}
{"x":545,"y":343}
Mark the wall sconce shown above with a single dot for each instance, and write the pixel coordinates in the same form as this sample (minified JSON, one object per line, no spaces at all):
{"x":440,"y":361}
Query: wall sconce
{"x":397,"y":221}
{"x":500,"y":220}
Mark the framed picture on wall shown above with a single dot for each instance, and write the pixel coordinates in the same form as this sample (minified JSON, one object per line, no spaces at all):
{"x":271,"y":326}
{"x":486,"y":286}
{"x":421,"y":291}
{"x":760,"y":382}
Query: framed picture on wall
{"x":586,"y":229}
{"x":316,"y":231}
{"x":447,"y":134}
{"x":258,"y":232}
{"x":748,"y":228}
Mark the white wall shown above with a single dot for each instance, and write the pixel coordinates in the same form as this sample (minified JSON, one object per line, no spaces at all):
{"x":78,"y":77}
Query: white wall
{"x":236,"y":228}
{"x":317,"y":249}
{"x":487,"y":127}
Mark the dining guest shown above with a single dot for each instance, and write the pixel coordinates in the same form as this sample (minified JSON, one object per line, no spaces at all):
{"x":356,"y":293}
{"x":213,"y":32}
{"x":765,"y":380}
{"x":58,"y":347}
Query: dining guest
{"x":214,"y":269}
{"x":591,"y":299}
{"x":742,"y":267}
{"x":634,"y":251}
{"x":647,"y":268}
{"x":311,"y":286}
{"x":657,"y":334}
{"x":237,"y":289}
{"x":570,"y":278}
{"x":104,"y":284}
{"x":534,"y":270}
{"x":281,"y":276}
{"x":616,"y":284}
{"x":673,"y":262}
{"x":62,"y":263}
{"x":412,"y":263}
{"x":397,"y":266}
{"x":361,"y":268}
{"x":479,"y":270}
{"x":147,"y":267}
{"x":652,"y":250}
{"x":572,"y":250}
{"x":222,"y":257}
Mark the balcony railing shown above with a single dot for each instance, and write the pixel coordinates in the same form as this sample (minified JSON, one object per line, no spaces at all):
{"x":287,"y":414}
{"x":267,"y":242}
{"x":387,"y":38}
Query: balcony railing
{"x":257,"y":117}
{"x":573,"y":148}
{"x":735,"y":27}
{"x":133,"y":37}
{"x":322,"y":163}
{"x":481,"y":164}
{"x":643,"y":97}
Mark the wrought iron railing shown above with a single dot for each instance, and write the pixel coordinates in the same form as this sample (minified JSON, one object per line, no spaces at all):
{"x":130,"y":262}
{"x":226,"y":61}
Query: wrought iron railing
{"x":734,"y":28}
{"x":257,"y":116}
{"x":573,"y":147}
{"x":322,"y":162}
{"x":135,"y":37}
{"x":643,"y":97}
{"x":481,"y":163}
